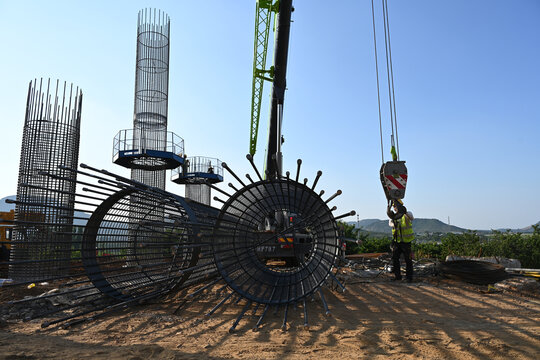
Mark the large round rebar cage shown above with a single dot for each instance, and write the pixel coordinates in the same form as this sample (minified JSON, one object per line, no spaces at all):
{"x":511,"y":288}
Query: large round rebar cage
{"x":275,"y":241}
{"x":142,"y":240}
{"x":50,"y":138}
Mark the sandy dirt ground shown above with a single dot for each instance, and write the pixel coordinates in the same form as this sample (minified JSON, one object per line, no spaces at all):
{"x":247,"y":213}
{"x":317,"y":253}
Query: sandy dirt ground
{"x":430,"y":319}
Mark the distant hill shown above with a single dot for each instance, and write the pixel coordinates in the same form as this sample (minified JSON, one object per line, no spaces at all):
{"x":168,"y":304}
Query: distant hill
{"x":424,"y":226}
{"x":420,"y":226}
{"x":525,"y":230}
{"x":365,"y":222}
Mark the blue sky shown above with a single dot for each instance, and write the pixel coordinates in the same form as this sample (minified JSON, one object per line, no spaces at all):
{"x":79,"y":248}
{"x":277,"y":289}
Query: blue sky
{"x":466,"y":78}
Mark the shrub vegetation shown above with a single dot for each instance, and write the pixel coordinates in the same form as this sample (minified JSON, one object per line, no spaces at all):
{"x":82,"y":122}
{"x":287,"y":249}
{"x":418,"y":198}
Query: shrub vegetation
{"x":524,"y":247}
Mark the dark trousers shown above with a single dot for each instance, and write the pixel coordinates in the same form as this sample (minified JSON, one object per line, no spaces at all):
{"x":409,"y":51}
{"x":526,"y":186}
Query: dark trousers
{"x":399,"y":248}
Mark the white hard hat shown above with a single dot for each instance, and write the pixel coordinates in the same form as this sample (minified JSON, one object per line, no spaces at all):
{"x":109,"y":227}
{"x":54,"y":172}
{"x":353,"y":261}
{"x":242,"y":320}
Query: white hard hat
{"x":410,"y":215}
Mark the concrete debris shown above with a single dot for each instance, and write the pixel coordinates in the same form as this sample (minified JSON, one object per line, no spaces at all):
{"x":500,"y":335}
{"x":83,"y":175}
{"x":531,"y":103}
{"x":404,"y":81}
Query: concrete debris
{"x":52,"y":301}
{"x":375,"y":264}
{"x":521,"y":284}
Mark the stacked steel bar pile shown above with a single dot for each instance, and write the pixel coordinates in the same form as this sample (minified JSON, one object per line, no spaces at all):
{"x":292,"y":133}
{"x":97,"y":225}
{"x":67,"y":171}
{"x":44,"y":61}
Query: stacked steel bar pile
{"x":41,"y":245}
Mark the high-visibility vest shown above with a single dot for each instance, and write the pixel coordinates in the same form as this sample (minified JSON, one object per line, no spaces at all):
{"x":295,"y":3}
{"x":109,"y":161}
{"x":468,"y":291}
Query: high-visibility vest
{"x":403,"y":232}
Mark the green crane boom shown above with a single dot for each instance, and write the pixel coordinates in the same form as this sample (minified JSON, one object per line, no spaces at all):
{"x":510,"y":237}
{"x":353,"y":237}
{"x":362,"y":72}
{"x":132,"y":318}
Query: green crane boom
{"x":260,"y":74}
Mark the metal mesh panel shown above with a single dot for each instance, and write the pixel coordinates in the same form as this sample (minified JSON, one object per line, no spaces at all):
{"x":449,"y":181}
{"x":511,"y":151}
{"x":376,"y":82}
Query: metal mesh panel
{"x":50,"y":138}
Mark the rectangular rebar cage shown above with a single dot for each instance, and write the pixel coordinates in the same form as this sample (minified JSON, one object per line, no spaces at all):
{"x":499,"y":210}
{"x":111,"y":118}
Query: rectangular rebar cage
{"x":50,"y":139}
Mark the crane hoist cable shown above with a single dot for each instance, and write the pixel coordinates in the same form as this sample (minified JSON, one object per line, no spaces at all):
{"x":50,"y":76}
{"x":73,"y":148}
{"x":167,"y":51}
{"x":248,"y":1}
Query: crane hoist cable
{"x":390,"y":77}
{"x":393,"y":174}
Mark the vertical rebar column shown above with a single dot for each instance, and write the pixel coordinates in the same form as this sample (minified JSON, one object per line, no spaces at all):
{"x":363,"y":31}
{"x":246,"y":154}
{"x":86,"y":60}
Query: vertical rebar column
{"x":151,"y":91}
{"x":199,"y":192}
{"x":50,"y":138}
{"x":150,"y":109}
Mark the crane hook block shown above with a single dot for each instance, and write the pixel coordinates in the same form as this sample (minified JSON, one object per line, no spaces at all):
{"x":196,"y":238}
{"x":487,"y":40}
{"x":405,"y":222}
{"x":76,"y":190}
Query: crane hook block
{"x":394,"y":179}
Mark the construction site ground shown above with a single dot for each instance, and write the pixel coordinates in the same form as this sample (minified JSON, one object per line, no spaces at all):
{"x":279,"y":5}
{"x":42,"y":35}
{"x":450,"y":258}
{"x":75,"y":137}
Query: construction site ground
{"x":432,"y":318}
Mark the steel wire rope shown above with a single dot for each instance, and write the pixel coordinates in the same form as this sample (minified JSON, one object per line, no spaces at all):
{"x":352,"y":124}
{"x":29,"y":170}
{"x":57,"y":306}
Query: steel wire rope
{"x":377,"y":76}
{"x":391,"y":72}
{"x":390,"y":100}
{"x":394,"y":140}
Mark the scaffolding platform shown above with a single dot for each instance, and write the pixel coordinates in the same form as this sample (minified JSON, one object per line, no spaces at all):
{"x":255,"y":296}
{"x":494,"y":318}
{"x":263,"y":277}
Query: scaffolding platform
{"x":148,"y":150}
{"x":198,"y":170}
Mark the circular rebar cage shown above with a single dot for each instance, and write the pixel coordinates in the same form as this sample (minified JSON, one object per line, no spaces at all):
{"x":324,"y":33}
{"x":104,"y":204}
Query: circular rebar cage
{"x":275,"y":242}
{"x":140,"y":241}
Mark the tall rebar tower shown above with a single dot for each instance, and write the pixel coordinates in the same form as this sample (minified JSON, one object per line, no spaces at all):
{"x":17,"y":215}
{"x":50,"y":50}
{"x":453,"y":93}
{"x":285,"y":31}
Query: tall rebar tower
{"x":149,"y":149}
{"x":50,"y":139}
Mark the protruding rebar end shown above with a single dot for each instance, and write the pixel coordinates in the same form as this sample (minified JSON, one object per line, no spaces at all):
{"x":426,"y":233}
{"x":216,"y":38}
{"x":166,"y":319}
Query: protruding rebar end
{"x":231,"y":330}
{"x":306,"y":327}
{"x":319,"y":173}
{"x":284,"y":328}
{"x":339,"y":192}
{"x":328,"y":314}
{"x":249,"y":157}
{"x":299,"y":161}
{"x":224,"y":164}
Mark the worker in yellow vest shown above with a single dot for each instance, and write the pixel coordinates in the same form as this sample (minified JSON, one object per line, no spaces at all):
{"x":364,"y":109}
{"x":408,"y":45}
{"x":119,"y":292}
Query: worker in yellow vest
{"x":402,"y":236}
